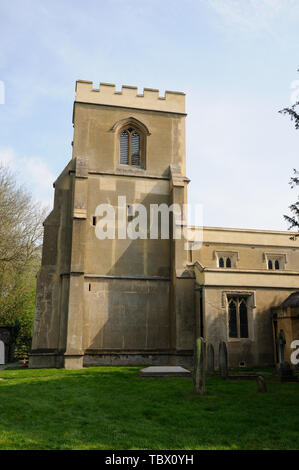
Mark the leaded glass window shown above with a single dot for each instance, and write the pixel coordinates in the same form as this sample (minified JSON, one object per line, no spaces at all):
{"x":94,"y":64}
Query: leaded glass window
{"x":243,"y":319}
{"x":232,"y":320}
{"x":237,"y":317}
{"x":124,"y":148}
{"x":130,"y":147}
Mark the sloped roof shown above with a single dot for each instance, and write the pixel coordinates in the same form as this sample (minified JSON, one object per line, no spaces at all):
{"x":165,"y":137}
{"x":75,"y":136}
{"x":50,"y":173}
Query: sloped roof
{"x":291,"y":301}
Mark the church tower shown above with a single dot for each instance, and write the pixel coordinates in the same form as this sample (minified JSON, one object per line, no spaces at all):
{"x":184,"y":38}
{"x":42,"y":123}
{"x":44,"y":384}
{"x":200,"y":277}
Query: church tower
{"x":116,"y":300}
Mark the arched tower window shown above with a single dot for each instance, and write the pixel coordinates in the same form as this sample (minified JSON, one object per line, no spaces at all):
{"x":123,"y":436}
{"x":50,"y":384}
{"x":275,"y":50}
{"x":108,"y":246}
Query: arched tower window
{"x":276,"y":264}
{"x":270,"y":264}
{"x":228,"y":263}
{"x":131,"y":135}
{"x":130,"y":147}
{"x":221,"y":263}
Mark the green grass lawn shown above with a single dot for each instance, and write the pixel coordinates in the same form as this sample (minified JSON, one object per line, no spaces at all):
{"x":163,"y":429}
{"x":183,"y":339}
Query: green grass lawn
{"x":112,"y":408}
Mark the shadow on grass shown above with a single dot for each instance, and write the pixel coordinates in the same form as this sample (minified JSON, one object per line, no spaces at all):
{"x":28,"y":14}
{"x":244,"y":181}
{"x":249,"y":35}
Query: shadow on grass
{"x":113,"y":408}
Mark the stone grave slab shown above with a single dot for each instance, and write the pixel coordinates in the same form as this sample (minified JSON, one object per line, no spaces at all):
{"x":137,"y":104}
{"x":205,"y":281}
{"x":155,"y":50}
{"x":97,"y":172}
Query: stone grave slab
{"x":164,"y":371}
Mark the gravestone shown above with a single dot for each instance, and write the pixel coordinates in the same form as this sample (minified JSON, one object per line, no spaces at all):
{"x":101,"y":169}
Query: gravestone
{"x":281,"y":342}
{"x":283,"y":368}
{"x":210,"y":359}
{"x":261,"y":384}
{"x":2,"y":353}
{"x":285,"y":373}
{"x":222,"y":359}
{"x":7,"y":337}
{"x":199,"y":373}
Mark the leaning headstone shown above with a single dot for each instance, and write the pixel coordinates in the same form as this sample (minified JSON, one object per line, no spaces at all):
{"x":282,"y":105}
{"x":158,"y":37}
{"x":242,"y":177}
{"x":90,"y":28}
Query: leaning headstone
{"x":222,"y":358}
{"x":210,"y":359}
{"x":199,"y":373}
{"x":261,"y":384}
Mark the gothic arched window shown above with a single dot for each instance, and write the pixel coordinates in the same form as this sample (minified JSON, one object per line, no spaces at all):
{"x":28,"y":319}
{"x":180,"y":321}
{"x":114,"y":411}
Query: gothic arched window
{"x":221,"y":263}
{"x":131,"y":135}
{"x":130,"y":147}
{"x":276,"y":264}
{"x":228,"y":263}
{"x":270,"y":264}
{"x":237,"y":317}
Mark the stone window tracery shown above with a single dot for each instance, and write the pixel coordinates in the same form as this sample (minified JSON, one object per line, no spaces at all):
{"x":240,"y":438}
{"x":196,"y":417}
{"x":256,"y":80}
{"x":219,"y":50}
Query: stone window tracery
{"x":237,"y":317}
{"x":130,"y":147}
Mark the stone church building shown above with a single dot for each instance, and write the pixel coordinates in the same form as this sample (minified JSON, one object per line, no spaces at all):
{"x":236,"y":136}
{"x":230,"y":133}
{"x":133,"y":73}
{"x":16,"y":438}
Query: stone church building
{"x":143,"y":301}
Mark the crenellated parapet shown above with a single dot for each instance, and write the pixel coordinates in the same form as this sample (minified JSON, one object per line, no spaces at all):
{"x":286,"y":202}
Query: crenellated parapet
{"x":106,"y":94}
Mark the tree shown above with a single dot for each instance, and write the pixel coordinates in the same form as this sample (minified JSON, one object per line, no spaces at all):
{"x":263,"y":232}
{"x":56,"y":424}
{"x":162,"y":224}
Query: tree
{"x":21,"y":223}
{"x":293,"y":219}
{"x":20,"y":253}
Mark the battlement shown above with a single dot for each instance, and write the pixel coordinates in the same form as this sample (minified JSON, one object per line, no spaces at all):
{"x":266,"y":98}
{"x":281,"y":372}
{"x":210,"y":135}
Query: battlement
{"x":173,"y":101}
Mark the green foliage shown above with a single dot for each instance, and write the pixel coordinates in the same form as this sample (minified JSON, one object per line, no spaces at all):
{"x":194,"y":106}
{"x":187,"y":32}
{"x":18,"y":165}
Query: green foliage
{"x":17,"y":309}
{"x":292,"y":112}
{"x":293,"y":220}
{"x":20,"y":249}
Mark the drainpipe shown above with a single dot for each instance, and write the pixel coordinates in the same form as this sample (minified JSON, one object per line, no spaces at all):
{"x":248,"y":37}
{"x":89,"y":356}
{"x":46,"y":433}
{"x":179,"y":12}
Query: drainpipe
{"x":201,"y":312}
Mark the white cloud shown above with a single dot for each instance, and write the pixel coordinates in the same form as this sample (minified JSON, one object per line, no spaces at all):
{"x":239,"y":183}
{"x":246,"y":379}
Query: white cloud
{"x":32,"y":172}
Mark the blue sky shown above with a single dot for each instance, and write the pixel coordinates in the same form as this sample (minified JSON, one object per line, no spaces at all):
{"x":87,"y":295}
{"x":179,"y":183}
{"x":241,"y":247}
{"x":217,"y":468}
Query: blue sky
{"x":236,"y":60}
